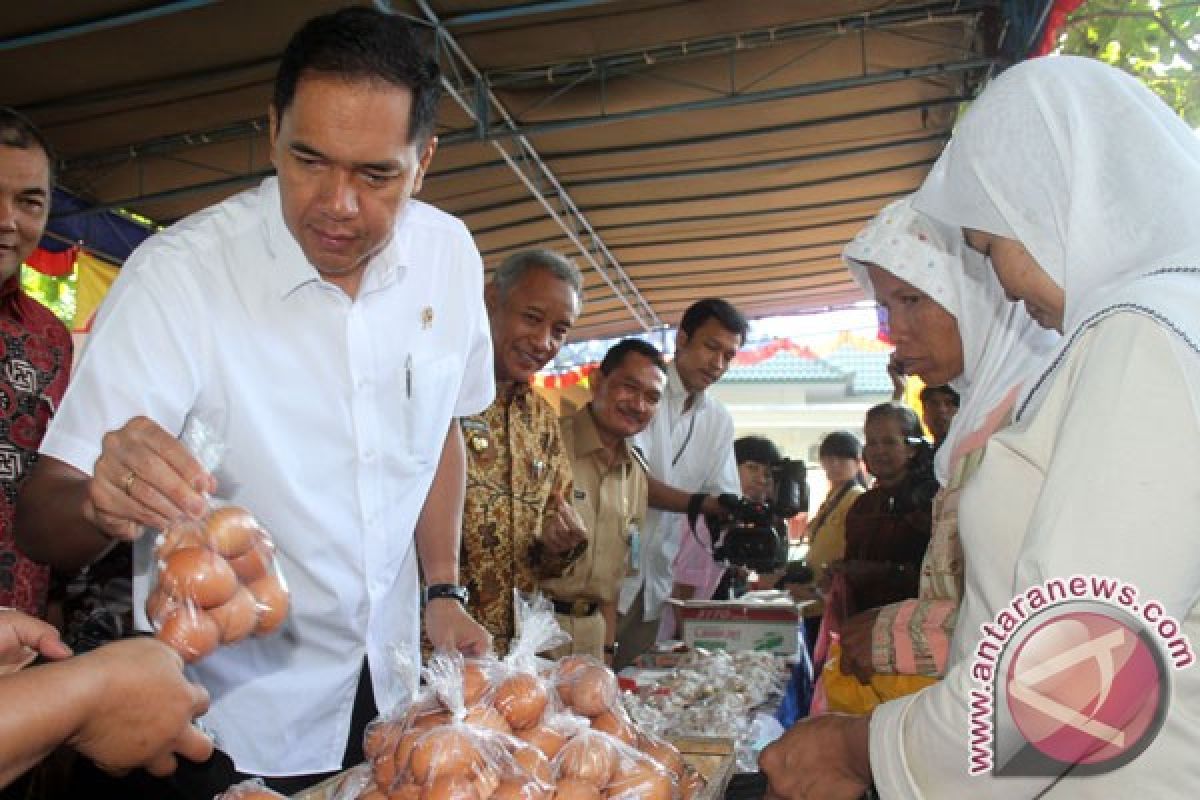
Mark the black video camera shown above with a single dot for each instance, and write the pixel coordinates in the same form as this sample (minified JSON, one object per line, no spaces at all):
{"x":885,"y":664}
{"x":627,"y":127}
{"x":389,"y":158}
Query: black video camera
{"x":755,"y":536}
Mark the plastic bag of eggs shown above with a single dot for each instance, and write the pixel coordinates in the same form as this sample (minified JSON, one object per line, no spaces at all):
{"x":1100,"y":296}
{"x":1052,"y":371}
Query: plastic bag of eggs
{"x":216,"y":582}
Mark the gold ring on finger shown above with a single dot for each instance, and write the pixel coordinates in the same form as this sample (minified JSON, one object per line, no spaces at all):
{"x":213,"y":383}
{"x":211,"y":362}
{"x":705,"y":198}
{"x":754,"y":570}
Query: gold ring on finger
{"x":127,"y":483}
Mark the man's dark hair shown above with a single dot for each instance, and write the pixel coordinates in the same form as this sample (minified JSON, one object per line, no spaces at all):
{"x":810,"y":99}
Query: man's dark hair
{"x":758,"y":449}
{"x":359,"y":43}
{"x":722,"y":311}
{"x":616,"y":354}
{"x":17,"y":131}
{"x":930,"y":391}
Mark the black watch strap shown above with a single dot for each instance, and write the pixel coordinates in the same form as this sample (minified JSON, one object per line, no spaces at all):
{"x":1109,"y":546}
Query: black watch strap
{"x":451,"y":590}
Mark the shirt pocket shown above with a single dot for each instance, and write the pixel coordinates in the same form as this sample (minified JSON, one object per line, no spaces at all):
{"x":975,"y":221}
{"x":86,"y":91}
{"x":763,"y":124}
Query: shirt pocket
{"x":427,"y":390}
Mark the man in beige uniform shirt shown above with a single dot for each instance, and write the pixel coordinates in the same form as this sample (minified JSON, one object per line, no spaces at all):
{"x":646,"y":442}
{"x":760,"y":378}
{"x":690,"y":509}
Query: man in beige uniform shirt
{"x":609,"y":494}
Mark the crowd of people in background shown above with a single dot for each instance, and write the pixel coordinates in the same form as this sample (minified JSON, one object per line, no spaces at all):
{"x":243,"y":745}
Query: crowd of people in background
{"x":314,"y":293}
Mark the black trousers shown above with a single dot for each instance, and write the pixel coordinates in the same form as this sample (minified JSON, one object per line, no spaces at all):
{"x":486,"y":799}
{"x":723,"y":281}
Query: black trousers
{"x":194,"y":781}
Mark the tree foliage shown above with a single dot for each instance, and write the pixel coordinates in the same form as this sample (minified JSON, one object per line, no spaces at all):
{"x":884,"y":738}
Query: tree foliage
{"x":56,"y":294}
{"x":1157,"y":42}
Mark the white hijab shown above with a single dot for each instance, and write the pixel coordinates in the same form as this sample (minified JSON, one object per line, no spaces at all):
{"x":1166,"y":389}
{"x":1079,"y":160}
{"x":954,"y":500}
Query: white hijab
{"x":1100,"y":182}
{"x":1001,"y":345}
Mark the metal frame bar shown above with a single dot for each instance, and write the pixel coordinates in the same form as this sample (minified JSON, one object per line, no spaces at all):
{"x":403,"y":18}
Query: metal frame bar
{"x":622,"y":63}
{"x":100,"y":24}
{"x":727,"y":101}
{"x":532,"y":171}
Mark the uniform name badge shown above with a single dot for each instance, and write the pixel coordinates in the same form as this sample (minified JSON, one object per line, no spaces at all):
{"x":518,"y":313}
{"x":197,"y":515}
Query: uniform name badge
{"x":634,"y":565}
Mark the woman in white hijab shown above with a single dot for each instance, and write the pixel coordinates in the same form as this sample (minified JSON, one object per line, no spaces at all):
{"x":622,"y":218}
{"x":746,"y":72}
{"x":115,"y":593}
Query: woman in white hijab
{"x":927,"y":281}
{"x":1083,"y":190}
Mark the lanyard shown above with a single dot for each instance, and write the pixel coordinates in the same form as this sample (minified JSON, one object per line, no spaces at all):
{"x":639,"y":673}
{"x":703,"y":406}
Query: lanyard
{"x":686,"y":440}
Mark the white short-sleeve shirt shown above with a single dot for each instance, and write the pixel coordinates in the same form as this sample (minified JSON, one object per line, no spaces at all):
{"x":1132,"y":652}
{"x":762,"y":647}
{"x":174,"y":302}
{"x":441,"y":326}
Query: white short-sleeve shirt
{"x":333,"y":412}
{"x":690,"y":450}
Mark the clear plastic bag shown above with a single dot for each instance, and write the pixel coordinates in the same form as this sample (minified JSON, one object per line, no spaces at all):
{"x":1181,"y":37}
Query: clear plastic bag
{"x":250,"y":790}
{"x":216,"y":580}
{"x":594,"y":764}
{"x":439,"y":749}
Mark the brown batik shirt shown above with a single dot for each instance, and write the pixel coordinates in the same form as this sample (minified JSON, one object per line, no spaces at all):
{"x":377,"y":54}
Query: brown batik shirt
{"x":515,"y":465}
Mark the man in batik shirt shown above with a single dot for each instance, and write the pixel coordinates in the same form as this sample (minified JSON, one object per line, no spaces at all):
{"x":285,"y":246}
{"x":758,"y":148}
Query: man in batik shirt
{"x":518,"y":523}
{"x":35,"y":360}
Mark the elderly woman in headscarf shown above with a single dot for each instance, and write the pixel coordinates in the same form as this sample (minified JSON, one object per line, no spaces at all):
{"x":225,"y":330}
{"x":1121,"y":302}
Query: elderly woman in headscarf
{"x":952,"y":325}
{"x":1081,"y":188}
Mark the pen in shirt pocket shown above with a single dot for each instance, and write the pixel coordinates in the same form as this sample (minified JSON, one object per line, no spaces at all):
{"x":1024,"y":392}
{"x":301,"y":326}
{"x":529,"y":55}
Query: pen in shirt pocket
{"x":408,"y":376}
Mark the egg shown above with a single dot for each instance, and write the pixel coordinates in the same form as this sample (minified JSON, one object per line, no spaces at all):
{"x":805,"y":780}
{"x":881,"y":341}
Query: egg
{"x":450,"y":787}
{"x":572,"y":789}
{"x":158,"y":605}
{"x":489,"y":718}
{"x":405,"y":791}
{"x":486,"y":781}
{"x":533,"y":762}
{"x":521,"y":699}
{"x":475,"y":683}
{"x":272,"y":601}
{"x":403,"y":752}
{"x":544,"y":738}
{"x":426,"y":719}
{"x":238,"y":617}
{"x":382,"y":736}
{"x":179,"y":537}
{"x":565,"y":674}
{"x":232,"y":531}
{"x":690,"y":784}
{"x":384,"y":770}
{"x":254,"y":563}
{"x":191,"y":632}
{"x":594,"y":690}
{"x":372,"y":793}
{"x":520,"y":790}
{"x":199,"y":575}
{"x":616,"y":725}
{"x":640,"y":779}
{"x":587,"y":758}
{"x":441,"y":752}
{"x":663,"y":753}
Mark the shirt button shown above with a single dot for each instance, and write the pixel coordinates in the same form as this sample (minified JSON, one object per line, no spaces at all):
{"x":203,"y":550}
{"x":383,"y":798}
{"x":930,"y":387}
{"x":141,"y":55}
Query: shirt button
{"x":369,"y":456}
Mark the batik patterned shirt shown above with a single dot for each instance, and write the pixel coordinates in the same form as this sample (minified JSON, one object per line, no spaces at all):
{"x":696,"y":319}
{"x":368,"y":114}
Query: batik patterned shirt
{"x":35,"y":363}
{"x":516,"y":464}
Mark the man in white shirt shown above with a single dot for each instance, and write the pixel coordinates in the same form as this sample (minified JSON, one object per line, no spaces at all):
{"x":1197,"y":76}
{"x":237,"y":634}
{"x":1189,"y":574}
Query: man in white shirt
{"x":689,"y":447}
{"x":328,"y":329}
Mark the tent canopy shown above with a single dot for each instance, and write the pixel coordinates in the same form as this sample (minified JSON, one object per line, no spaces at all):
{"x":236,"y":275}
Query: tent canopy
{"x":674,"y":149}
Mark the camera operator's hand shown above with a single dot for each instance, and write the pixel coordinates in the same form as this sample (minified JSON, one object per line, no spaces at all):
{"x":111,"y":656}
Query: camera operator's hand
{"x":713,"y":507}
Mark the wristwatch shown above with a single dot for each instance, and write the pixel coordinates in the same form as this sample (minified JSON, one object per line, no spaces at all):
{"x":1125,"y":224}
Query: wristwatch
{"x":450,"y":590}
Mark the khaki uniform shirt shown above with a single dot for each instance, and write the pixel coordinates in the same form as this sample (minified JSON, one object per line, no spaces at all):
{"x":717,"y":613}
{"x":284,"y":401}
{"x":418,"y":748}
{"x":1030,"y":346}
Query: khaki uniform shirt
{"x":515,"y":465}
{"x":609,"y":500}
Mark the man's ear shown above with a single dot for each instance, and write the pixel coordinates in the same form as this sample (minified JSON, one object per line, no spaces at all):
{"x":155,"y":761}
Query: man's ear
{"x":423,"y":164}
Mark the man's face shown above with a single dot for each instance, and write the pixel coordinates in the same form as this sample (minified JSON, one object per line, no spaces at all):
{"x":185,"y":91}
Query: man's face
{"x":530,"y":324}
{"x":625,"y":400}
{"x":938,"y":412}
{"x":703,"y":357}
{"x":24,"y":204}
{"x":346,"y":168}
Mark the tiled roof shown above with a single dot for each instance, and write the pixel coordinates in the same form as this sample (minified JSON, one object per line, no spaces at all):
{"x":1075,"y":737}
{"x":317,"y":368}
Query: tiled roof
{"x":785,"y":367}
{"x":869,"y":369}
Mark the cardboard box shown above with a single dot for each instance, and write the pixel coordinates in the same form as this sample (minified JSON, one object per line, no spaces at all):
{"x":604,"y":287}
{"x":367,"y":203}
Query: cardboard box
{"x":768,"y":621}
